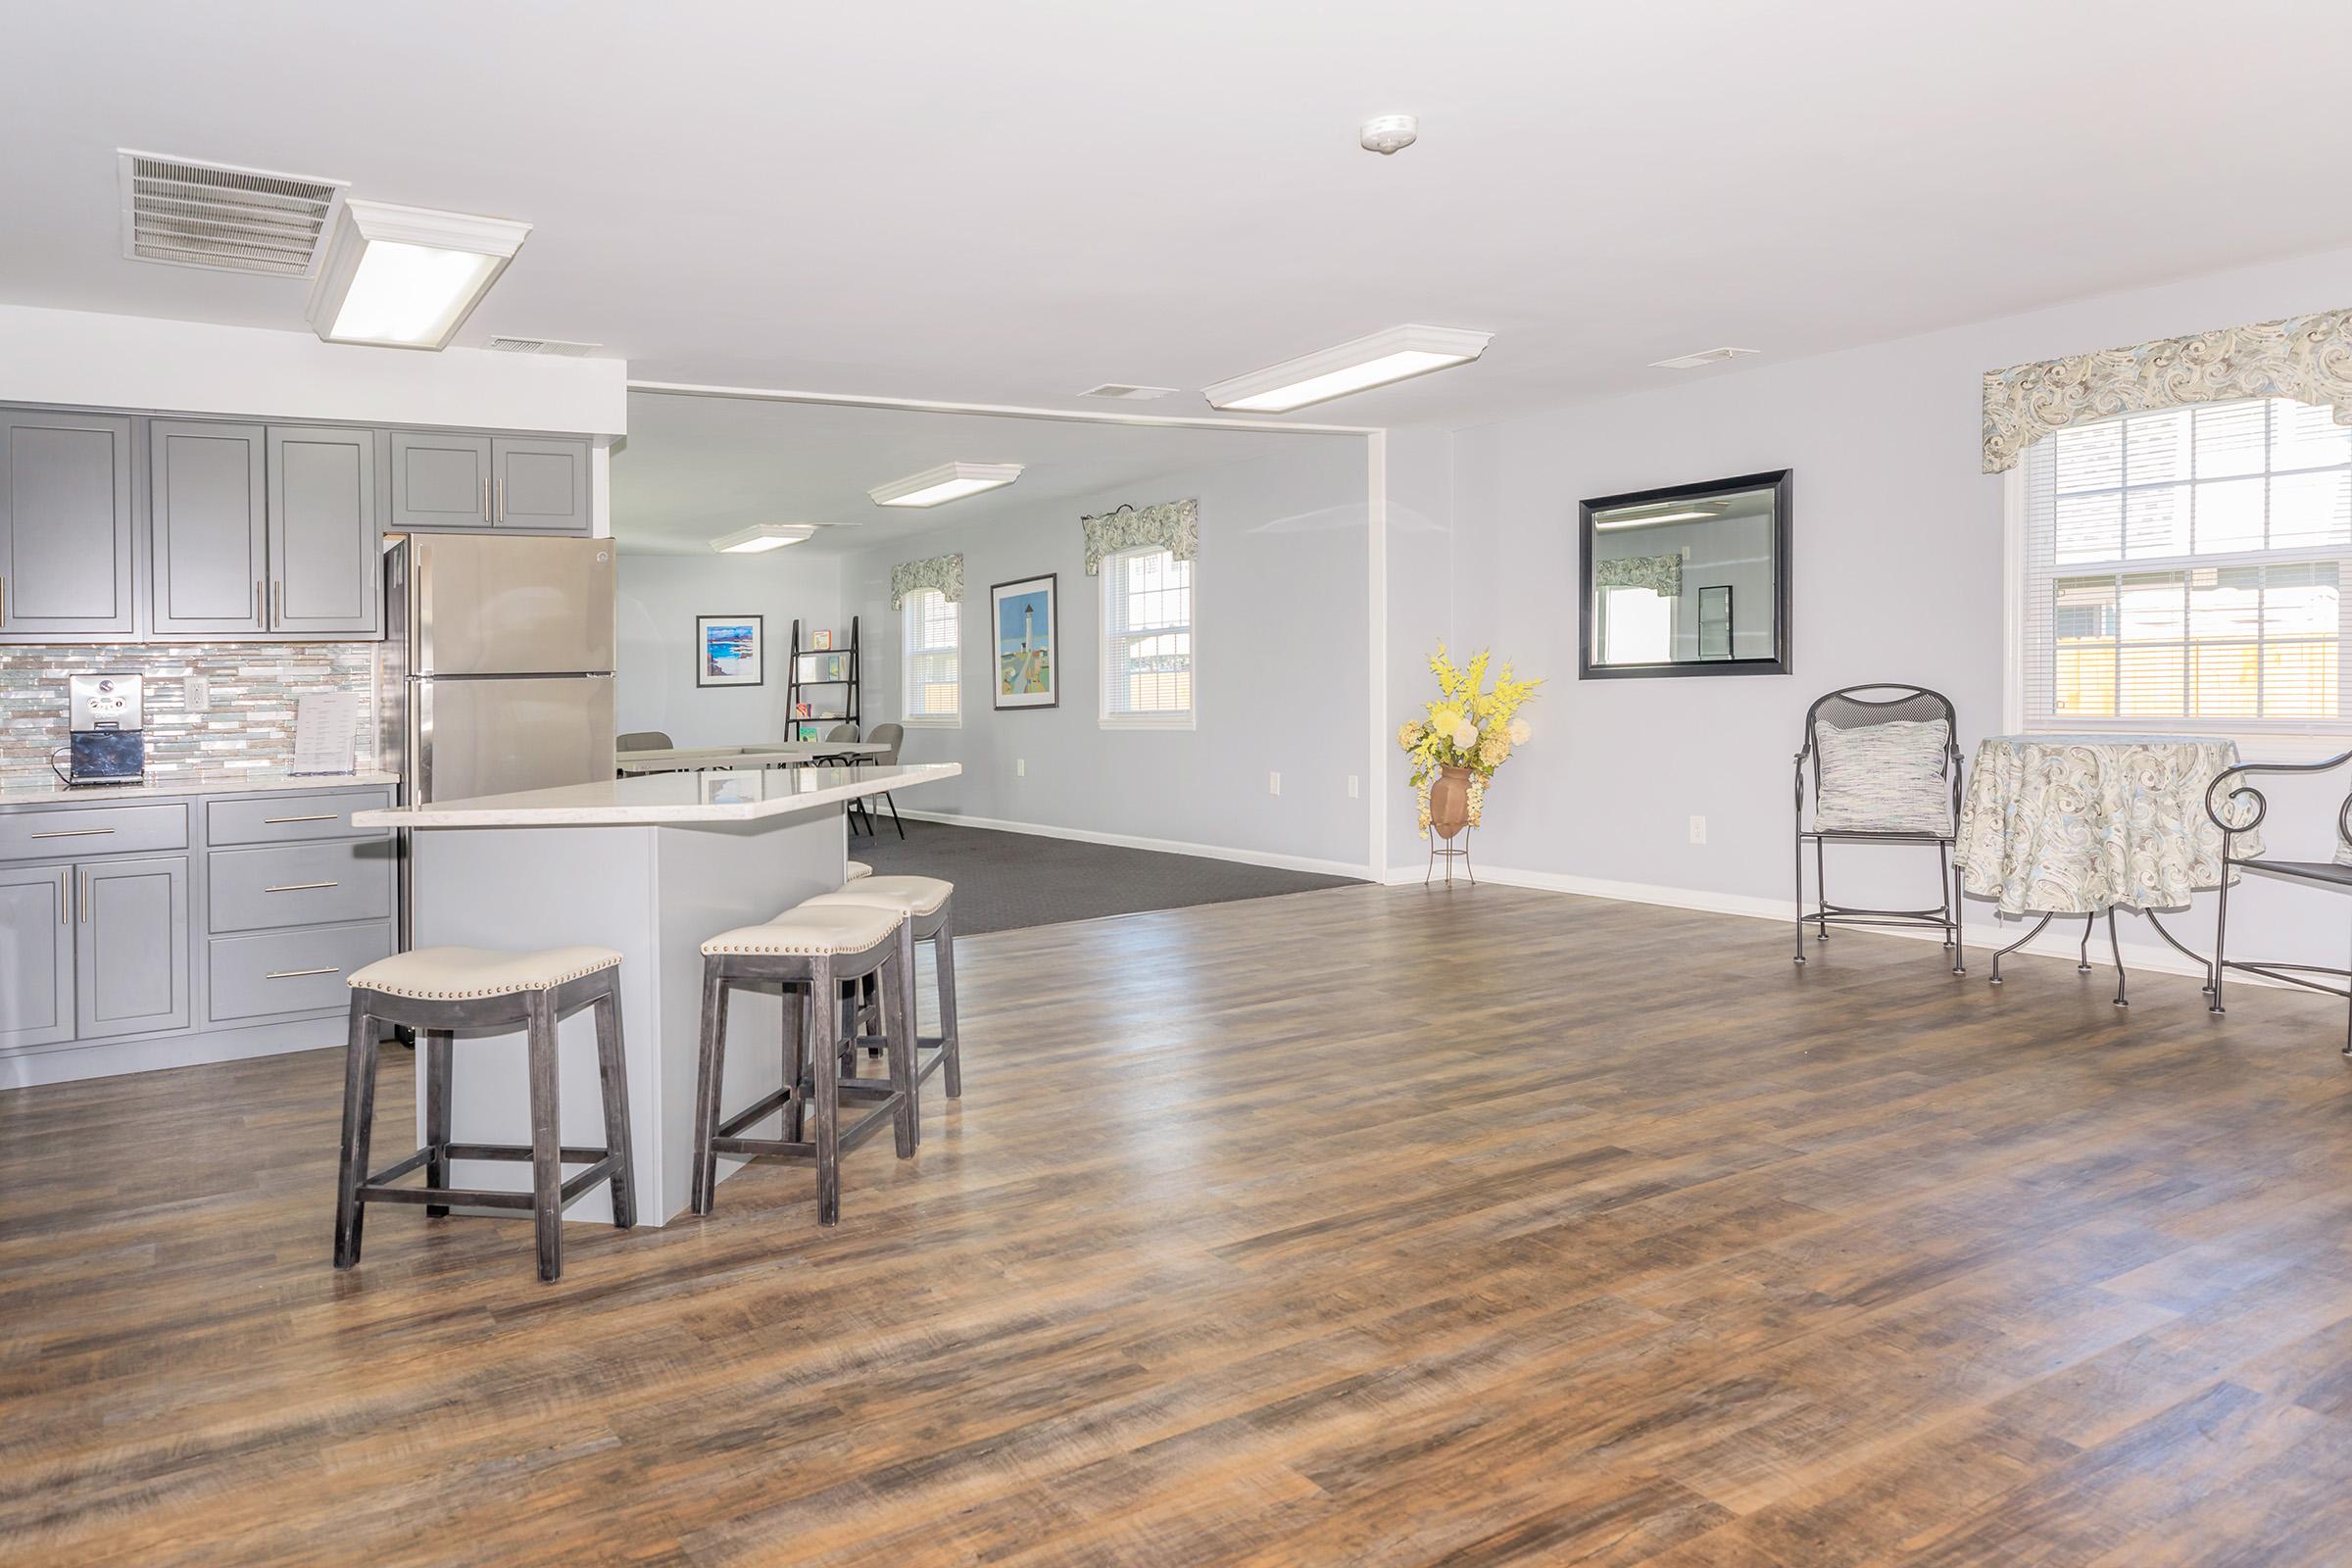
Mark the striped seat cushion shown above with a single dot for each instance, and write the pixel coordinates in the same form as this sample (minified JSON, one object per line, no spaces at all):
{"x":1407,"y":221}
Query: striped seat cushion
{"x":1884,"y":778}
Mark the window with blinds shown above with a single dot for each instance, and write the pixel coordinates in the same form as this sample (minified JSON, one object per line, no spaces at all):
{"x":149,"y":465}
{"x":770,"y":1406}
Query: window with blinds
{"x":1146,"y":640}
{"x":929,"y":674}
{"x":2185,"y":570}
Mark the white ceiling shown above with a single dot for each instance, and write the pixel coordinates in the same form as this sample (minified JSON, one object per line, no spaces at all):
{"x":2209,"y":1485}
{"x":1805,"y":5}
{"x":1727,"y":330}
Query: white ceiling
{"x":942,"y":199}
{"x":695,"y":468}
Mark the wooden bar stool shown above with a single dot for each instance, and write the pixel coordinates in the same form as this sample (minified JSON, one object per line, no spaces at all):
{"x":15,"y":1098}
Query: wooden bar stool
{"x":928,"y":905}
{"x":810,"y":953}
{"x":438,"y":991}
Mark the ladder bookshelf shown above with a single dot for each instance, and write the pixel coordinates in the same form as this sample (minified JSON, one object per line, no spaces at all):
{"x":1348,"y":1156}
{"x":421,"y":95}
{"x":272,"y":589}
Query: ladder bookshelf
{"x":825,"y":679}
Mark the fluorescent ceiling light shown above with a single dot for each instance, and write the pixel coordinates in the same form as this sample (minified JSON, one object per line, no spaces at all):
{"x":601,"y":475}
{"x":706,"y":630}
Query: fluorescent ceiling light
{"x":406,"y":277}
{"x":762,"y":536}
{"x":949,"y":481}
{"x":1661,"y":516}
{"x":1394,"y":355}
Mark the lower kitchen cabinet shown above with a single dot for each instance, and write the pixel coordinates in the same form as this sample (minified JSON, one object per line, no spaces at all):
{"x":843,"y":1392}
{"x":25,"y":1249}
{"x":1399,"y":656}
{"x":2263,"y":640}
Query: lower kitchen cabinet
{"x":37,"y":916}
{"x":131,"y":947}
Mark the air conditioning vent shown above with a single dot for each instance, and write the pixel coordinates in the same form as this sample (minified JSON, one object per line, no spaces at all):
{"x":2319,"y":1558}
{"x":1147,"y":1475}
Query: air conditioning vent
{"x":542,"y":345}
{"x":1691,"y":362}
{"x":1125,"y":393}
{"x":221,"y":217}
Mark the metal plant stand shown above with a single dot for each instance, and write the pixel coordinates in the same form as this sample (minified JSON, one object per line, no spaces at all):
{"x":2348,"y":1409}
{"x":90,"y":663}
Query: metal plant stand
{"x":1449,"y":851}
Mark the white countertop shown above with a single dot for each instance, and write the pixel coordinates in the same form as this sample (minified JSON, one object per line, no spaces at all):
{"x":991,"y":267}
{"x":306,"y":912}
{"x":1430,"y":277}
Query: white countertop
{"x":665,"y":799}
{"x":40,"y":790}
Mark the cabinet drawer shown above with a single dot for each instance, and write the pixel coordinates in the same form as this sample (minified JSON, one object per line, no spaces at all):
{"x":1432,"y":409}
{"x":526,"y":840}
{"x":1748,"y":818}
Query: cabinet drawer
{"x":300,"y":884}
{"x":53,"y":833}
{"x":291,"y":971}
{"x":325,"y":814}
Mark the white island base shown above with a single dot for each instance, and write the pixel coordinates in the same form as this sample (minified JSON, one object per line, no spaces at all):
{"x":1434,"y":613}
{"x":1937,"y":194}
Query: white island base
{"x":553,"y":867}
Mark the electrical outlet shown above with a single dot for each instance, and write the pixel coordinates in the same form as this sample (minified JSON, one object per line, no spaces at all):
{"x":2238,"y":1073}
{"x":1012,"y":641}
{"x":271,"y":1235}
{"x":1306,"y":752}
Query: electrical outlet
{"x":1699,"y":830}
{"x":1273,"y":783}
{"x":1020,"y":768}
{"x":196,"y":693}
{"x":1355,"y":787}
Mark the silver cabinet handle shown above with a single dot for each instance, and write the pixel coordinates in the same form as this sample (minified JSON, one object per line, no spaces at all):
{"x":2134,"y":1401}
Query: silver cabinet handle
{"x":3,"y":601}
{"x":300,"y":887}
{"x":73,"y":833}
{"x":297,"y":975}
{"x":317,"y":816}
{"x":259,"y":614}
{"x":65,"y":897}
{"x":275,"y":596}
{"x":84,"y":899}
{"x":502,"y":498}
{"x":485,"y":497}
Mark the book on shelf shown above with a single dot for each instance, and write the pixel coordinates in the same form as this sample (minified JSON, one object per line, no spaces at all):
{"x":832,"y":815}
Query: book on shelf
{"x":820,"y":639}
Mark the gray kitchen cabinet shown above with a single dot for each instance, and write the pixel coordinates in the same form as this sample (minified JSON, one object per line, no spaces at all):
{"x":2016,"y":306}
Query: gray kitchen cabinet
{"x":37,"y":935}
{"x":66,"y":566}
{"x":210,"y":528}
{"x":540,"y":485}
{"x":325,"y":538}
{"x":439,"y":480}
{"x":131,"y":947}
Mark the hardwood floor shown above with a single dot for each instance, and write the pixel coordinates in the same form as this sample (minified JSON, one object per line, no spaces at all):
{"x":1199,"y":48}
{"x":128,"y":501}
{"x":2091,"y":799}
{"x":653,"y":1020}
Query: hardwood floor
{"x":1358,"y":1226}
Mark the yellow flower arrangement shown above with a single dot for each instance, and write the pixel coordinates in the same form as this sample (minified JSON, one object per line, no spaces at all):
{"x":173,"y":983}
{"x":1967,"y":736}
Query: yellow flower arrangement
{"x":1470,"y":724}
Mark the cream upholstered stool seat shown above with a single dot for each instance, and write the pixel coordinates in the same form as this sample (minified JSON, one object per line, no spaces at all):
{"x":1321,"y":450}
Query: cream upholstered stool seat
{"x":438,"y":991}
{"x":858,"y":868}
{"x":810,"y":953}
{"x":928,"y":905}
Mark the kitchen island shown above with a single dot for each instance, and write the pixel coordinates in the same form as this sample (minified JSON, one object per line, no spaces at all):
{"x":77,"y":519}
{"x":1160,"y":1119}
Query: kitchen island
{"x":649,"y":867}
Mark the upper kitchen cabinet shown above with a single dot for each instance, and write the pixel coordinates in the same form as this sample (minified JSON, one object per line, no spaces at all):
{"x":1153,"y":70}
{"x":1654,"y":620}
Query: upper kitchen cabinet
{"x":539,"y":485}
{"x":325,"y":539}
{"x":477,"y":483}
{"x":66,"y":559}
{"x":210,"y":528}
{"x":439,"y":481}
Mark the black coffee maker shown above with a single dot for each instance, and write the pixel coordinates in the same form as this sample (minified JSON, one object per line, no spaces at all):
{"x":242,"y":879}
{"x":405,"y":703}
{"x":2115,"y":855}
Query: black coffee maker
{"x":104,"y":729}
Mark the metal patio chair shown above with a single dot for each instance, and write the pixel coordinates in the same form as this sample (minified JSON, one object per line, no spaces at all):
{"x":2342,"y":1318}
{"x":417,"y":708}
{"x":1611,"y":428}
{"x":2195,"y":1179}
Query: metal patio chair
{"x":1849,"y":709}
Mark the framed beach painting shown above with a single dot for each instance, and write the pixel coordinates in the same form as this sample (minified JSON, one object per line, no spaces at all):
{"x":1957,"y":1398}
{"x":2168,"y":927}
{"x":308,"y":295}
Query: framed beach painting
{"x":729,"y":650}
{"x":1028,"y":643}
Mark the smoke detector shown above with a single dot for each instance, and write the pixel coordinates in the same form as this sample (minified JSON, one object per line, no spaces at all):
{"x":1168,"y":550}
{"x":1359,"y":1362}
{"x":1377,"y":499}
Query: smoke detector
{"x":1385,"y":134}
{"x":1126,"y":393}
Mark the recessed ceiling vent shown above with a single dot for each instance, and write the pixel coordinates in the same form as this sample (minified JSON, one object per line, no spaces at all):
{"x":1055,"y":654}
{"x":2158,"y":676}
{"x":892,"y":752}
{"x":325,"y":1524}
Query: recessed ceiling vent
{"x":221,"y":217}
{"x":1691,"y":362}
{"x":1125,"y":393}
{"x":542,"y":345}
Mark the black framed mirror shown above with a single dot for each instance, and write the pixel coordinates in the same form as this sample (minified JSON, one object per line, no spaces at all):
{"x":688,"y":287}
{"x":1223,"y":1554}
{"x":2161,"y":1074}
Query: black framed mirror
{"x":1686,"y":580}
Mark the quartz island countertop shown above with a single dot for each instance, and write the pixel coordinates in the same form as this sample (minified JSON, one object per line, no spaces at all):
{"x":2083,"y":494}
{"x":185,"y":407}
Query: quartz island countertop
{"x":665,"y":799}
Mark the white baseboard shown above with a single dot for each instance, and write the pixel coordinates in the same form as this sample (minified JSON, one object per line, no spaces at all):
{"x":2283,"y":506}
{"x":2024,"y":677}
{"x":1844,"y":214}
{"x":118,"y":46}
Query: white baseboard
{"x":2062,"y":940}
{"x":1129,"y":840}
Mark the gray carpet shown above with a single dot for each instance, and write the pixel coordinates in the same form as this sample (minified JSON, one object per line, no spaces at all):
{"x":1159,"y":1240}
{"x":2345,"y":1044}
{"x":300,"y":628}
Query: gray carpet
{"x":1008,"y":880}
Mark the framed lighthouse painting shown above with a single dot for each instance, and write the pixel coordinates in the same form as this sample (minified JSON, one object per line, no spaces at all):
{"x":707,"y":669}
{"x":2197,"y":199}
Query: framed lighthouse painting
{"x":1028,"y":643}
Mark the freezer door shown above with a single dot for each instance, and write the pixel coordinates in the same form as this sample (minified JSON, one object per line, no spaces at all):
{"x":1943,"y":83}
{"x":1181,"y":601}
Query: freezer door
{"x":494,"y":737}
{"x":480,"y":605}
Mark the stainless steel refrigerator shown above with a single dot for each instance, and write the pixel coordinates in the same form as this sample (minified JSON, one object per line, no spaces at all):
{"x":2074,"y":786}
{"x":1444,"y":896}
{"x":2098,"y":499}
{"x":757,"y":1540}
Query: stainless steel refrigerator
{"x":497,"y":667}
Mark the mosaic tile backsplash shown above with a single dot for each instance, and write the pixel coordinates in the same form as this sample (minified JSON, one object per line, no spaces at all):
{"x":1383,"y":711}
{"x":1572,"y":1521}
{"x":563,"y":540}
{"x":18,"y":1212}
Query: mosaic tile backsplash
{"x":246,"y":727}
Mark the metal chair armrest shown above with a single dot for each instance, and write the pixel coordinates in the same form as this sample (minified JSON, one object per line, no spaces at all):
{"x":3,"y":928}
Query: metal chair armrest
{"x":2261,"y":803}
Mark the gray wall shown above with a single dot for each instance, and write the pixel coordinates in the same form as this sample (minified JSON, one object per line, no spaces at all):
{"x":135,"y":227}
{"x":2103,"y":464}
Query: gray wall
{"x":1898,"y":574}
{"x":1280,"y":680}
{"x":660,"y":597}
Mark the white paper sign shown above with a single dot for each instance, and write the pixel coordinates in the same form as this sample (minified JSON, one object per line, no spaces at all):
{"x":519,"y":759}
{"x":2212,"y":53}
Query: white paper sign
{"x":326,"y":732}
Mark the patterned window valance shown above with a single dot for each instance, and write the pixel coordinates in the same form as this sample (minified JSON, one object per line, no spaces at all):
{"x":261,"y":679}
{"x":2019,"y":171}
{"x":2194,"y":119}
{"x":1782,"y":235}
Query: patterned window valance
{"x":1173,"y":525}
{"x":1660,"y":574}
{"x":943,"y":572}
{"x":2307,"y":357}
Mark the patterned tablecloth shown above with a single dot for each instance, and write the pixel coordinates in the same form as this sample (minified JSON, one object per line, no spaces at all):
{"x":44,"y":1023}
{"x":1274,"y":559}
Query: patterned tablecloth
{"x":2076,"y":824}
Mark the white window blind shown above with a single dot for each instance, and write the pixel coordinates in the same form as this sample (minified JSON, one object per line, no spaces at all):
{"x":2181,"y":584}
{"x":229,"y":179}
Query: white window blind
{"x":2185,"y":570}
{"x":929,"y":671}
{"x":1147,"y":639}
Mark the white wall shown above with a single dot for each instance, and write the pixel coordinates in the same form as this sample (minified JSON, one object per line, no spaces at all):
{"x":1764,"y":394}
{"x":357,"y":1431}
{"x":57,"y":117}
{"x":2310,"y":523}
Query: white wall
{"x":1898,"y":575}
{"x":87,"y":359}
{"x":1281,"y":679}
{"x":660,"y":597}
